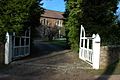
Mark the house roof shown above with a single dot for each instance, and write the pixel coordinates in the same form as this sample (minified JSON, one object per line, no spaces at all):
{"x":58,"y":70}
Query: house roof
{"x":53,"y":14}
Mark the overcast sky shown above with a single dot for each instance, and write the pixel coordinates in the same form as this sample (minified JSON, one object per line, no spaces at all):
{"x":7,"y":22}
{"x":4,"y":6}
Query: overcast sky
{"x":57,"y":5}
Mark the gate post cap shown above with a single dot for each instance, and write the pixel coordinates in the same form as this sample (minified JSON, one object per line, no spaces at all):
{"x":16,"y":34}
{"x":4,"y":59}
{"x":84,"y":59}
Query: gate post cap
{"x":97,"y":38}
{"x":93,"y":36}
{"x":7,"y":34}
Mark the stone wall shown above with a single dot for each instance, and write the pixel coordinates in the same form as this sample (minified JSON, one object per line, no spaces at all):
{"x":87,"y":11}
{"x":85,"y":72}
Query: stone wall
{"x":109,"y":55}
{"x":2,"y":50}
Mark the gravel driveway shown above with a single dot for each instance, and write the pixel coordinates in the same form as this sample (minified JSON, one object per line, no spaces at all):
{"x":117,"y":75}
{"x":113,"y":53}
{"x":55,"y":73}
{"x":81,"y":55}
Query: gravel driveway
{"x":55,"y":67}
{"x":58,"y":64}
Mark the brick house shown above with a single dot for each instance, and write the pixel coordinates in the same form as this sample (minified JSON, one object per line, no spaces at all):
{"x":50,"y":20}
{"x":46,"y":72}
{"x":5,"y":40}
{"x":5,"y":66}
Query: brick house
{"x":51,"y":25}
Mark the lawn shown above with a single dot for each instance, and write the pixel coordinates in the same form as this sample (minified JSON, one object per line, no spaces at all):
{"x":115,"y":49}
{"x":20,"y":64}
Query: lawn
{"x":58,"y":42}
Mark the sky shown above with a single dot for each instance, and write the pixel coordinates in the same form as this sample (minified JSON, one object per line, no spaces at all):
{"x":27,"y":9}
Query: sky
{"x":118,"y":11}
{"x":57,"y":5}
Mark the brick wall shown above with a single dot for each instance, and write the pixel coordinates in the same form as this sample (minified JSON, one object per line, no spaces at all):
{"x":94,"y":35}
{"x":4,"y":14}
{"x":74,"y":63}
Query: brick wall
{"x":108,"y":55}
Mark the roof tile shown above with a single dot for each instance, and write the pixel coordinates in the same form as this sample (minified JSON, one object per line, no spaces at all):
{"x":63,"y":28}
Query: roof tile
{"x":53,"y":14}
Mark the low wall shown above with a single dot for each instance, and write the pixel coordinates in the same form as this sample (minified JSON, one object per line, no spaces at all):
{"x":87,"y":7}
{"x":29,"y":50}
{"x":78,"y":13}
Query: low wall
{"x":2,"y":50}
{"x":109,"y":55}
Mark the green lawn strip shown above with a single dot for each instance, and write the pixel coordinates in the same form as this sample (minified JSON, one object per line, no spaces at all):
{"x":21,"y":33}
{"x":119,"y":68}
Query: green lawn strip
{"x":113,"y":69}
{"x":57,"y":42}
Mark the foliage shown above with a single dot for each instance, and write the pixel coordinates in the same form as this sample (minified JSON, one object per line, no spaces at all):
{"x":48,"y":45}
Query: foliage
{"x":72,"y":24}
{"x":17,"y":15}
{"x":97,"y":16}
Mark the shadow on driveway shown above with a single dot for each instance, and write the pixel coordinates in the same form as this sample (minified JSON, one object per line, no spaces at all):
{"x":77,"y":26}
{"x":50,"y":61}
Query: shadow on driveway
{"x":41,"y":48}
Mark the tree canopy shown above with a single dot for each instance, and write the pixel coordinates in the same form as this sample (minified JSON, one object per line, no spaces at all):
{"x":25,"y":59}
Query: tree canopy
{"x":73,"y":16}
{"x":97,"y":16}
{"x":16,"y":15}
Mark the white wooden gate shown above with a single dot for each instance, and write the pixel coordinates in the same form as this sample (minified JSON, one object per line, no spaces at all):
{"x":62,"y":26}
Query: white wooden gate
{"x":17,"y":46}
{"x":21,"y":45}
{"x":89,"y":50}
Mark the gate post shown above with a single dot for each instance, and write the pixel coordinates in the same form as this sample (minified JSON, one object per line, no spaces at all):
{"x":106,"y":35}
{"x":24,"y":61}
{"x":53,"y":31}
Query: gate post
{"x":8,"y":48}
{"x":96,"y":52}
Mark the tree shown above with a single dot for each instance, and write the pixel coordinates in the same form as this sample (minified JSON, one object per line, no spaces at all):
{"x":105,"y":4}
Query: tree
{"x":17,"y":15}
{"x":97,"y":16}
{"x":73,"y":16}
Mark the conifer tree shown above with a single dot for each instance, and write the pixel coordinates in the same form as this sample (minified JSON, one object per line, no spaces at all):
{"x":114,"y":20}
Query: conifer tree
{"x":97,"y":16}
{"x":16,"y":15}
{"x":73,"y":14}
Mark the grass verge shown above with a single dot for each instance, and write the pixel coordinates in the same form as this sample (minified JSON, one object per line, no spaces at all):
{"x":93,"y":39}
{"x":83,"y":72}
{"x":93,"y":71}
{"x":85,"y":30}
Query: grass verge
{"x":58,"y":42}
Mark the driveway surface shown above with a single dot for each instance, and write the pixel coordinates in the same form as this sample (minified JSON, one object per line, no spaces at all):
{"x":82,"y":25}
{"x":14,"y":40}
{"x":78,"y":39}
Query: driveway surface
{"x":48,"y":62}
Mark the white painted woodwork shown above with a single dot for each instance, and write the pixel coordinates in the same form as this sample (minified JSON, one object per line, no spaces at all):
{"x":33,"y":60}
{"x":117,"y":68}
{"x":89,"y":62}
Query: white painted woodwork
{"x":89,"y":54}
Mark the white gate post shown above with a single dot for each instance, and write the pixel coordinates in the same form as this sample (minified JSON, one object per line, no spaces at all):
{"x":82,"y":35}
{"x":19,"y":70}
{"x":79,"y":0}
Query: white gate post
{"x":8,"y":49}
{"x":96,"y":52}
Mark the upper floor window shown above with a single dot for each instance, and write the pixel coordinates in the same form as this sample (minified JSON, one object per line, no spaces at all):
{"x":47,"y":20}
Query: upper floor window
{"x":59,"y":23}
{"x":44,"y":21}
